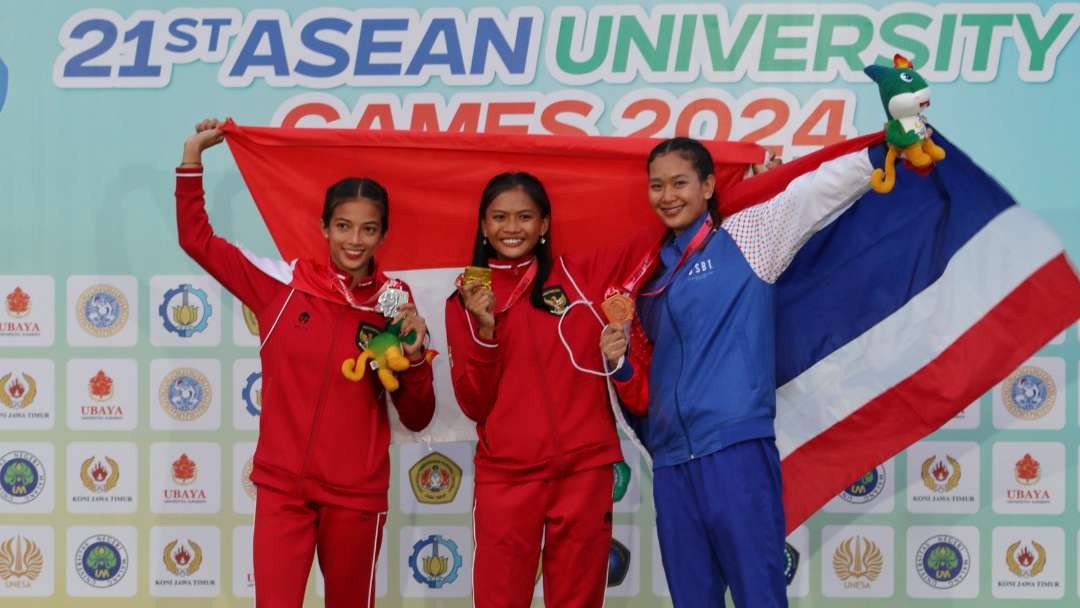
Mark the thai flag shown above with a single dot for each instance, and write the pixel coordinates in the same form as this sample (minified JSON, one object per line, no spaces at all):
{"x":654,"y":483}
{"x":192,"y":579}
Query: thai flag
{"x":891,"y":319}
{"x":900,"y":313}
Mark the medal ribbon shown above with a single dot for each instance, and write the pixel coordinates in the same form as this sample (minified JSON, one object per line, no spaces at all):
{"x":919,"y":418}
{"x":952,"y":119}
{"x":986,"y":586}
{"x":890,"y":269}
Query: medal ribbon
{"x":519,"y":290}
{"x":648,"y":264}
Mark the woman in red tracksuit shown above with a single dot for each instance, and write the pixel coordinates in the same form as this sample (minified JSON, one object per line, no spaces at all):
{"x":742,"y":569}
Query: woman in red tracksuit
{"x":322,"y":461}
{"x":547,"y":438}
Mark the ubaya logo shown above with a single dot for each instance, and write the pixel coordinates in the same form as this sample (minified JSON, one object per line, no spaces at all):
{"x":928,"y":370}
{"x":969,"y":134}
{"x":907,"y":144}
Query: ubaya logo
{"x":185,"y":310}
{"x":865,"y":488}
{"x":182,"y":560}
{"x":435,"y":479}
{"x":941,"y":477}
{"x":102,"y":310}
{"x":857,"y":562}
{"x":185,"y":394}
{"x":1029,"y":393}
{"x":100,"y":386}
{"x":942,"y":561}
{"x":435,"y":561}
{"x":18,"y":303}
{"x":22,"y":477}
{"x":1023,"y":562}
{"x":99,"y":477}
{"x":1027,"y":472}
{"x":252,"y":393}
{"x":17,"y":391}
{"x":21,"y":562}
{"x":184,"y":470}
{"x":101,"y":561}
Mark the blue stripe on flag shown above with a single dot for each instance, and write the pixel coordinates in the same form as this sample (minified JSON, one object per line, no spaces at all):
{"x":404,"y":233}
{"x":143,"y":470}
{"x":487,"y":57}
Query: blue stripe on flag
{"x":878,"y":255}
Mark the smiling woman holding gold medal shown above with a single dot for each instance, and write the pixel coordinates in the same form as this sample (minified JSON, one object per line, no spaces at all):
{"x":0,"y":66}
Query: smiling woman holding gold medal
{"x":322,"y":460}
{"x":527,"y":369}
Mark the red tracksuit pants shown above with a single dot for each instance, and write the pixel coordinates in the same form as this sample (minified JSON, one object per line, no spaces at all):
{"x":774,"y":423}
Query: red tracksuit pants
{"x":288,"y":531}
{"x":569,"y":516}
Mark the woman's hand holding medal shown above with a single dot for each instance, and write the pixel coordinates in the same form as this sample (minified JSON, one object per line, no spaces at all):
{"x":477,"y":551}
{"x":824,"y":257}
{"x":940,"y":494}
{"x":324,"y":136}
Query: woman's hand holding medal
{"x":480,"y":301}
{"x":411,"y":321}
{"x":613,"y":343}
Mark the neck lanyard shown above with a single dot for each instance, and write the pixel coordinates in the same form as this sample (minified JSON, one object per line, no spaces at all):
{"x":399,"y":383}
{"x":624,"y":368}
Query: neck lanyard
{"x":519,"y":290}
{"x":648,"y":264}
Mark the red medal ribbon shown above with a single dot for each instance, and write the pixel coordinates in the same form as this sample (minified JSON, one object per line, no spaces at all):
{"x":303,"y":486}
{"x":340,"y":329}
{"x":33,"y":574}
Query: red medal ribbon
{"x":648,"y":264}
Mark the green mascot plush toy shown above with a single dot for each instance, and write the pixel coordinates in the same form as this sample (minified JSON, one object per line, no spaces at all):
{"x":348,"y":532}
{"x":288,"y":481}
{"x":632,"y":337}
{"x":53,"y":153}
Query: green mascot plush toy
{"x":384,"y":350}
{"x":905,"y":94}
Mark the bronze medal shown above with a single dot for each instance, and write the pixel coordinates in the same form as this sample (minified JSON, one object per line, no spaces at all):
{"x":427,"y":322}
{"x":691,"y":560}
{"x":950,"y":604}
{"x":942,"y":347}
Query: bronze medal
{"x":618,"y":308}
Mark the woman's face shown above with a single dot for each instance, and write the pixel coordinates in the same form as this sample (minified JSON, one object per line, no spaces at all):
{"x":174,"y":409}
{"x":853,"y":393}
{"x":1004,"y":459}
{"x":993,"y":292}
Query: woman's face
{"x":355,"y":230}
{"x":513,"y":224}
{"x":676,"y":192}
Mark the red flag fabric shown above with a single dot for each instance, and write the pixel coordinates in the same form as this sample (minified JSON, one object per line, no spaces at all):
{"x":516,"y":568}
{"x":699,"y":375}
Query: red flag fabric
{"x":597,"y":185}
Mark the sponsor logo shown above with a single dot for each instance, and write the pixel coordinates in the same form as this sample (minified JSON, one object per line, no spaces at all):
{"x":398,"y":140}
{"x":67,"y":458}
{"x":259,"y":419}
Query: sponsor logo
{"x":102,"y":310}
{"x":18,"y":303}
{"x":791,"y":562}
{"x":182,"y":559}
{"x":22,"y":477}
{"x":17,"y":391}
{"x":252,"y":393}
{"x":866,"y":488}
{"x":435,"y":479}
{"x":943,"y":561}
{"x":250,"y":320}
{"x":939,"y":476}
{"x":21,"y":562}
{"x":555,"y":299}
{"x":622,"y":481}
{"x":1029,"y":393}
{"x":435,"y":561}
{"x":857,"y":562}
{"x":185,"y":310}
{"x":245,"y":478}
{"x":618,"y":563}
{"x":184,"y":470}
{"x":185,"y":394}
{"x":99,"y":477}
{"x":101,"y":561}
{"x":1028,"y":472}
{"x":100,"y":386}
{"x":1025,"y":561}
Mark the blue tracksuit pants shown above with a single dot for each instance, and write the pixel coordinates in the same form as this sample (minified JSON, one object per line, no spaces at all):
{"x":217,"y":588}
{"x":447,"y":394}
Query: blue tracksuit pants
{"x":720,"y":521}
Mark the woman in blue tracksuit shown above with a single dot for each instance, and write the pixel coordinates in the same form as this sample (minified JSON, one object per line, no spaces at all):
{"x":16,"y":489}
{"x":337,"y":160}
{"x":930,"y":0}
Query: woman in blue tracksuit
{"x":708,"y":309}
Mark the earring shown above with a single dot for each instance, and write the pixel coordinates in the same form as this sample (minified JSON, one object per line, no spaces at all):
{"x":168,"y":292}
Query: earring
{"x":484,"y":241}
{"x":543,"y":240}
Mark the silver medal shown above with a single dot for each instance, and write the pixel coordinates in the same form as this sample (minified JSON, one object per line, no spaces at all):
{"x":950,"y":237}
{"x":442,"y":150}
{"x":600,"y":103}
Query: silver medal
{"x":390,"y":300}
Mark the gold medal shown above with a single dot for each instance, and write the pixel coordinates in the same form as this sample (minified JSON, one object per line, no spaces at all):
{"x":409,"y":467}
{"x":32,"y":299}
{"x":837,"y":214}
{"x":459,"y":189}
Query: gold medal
{"x":618,"y":308}
{"x":476,"y":274}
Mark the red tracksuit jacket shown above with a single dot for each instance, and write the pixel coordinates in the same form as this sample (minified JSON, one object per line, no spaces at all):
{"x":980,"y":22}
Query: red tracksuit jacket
{"x":536,"y":415}
{"x":321,"y":436}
